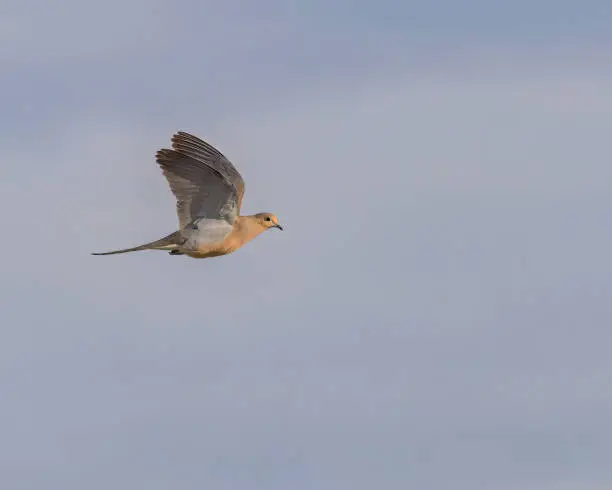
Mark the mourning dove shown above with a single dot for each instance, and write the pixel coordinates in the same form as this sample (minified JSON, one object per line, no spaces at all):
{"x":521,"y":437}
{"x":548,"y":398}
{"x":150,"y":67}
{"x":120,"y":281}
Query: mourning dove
{"x":209,"y":191}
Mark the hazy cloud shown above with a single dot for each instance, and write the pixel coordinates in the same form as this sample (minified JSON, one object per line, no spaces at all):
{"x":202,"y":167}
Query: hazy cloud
{"x":435,"y":314}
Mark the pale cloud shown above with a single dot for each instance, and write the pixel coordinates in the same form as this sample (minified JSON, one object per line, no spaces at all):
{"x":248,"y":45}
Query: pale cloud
{"x":68,"y":31}
{"x":435,"y":312}
{"x":118,"y":33}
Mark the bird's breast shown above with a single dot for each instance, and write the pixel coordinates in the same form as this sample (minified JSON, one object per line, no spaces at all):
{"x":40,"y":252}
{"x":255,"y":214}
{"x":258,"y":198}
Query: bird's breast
{"x":203,"y":249}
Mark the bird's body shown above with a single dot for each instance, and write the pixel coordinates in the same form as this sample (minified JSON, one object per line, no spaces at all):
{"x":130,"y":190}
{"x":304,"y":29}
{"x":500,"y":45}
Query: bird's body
{"x":211,"y":238}
{"x":209,"y":194}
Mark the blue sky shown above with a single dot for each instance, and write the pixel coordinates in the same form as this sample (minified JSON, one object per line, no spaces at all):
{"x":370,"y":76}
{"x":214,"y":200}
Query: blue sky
{"x":436,"y":313}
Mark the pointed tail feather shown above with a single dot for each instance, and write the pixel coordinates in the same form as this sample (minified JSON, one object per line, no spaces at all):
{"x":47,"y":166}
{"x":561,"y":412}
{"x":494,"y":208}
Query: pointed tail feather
{"x":170,"y":242}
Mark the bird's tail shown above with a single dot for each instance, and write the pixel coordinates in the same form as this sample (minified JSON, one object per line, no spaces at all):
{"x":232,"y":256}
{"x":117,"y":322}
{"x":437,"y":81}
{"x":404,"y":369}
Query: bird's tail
{"x":170,"y":242}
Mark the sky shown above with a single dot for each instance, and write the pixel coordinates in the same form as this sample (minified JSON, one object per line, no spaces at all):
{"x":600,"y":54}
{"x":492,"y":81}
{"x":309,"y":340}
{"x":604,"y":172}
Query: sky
{"x":436,"y":314}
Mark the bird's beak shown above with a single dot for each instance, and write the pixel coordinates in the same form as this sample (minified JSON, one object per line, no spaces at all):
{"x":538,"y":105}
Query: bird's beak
{"x":279,"y":227}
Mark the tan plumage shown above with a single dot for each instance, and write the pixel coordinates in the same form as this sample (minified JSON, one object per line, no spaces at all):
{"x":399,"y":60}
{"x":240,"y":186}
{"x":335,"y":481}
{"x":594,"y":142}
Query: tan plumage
{"x":208,"y":191}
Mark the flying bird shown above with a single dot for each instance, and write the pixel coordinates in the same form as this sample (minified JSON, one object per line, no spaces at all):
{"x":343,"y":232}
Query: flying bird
{"x":208,"y":191}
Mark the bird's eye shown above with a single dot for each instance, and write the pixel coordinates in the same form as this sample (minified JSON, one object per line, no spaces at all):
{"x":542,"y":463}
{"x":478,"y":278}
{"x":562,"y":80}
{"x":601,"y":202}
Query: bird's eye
{"x":268,"y":218}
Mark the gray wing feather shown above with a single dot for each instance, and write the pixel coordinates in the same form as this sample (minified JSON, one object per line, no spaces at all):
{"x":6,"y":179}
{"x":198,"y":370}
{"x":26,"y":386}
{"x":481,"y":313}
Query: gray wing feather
{"x":202,"y":187}
{"x":194,"y":147}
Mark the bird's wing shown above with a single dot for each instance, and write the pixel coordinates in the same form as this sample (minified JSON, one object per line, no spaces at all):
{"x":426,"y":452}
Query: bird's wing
{"x":198,"y":149}
{"x":203,"y":181}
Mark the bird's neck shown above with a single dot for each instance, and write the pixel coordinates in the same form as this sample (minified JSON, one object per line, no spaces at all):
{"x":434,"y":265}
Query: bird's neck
{"x":246,"y":228}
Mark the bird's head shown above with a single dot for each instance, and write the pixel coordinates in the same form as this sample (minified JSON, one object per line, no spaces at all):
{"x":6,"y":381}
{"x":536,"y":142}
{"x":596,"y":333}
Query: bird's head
{"x":268,"y":220}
